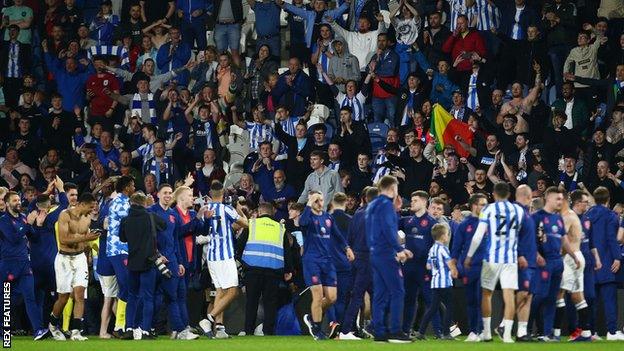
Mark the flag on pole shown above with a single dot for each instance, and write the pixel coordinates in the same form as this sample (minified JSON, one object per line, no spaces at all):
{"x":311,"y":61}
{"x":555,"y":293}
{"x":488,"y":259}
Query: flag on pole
{"x":444,"y":127}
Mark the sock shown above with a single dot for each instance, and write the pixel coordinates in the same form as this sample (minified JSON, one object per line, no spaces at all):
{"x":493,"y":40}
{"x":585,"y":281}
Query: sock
{"x":210,"y":318}
{"x":487,"y":325}
{"x":583,"y":313}
{"x":120,"y":315}
{"x":76,"y":324}
{"x":522,"y":329}
{"x":54,"y":320}
{"x":316,"y":327}
{"x":508,"y":326}
{"x":502,"y":324}
{"x":559,"y":316}
{"x":67,"y":313}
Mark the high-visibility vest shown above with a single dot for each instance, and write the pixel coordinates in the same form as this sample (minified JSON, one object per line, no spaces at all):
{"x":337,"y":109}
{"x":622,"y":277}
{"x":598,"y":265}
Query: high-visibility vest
{"x":265,"y":246}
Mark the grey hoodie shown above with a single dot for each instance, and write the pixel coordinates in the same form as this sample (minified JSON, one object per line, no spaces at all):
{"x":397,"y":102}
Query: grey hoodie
{"x":327,"y":182}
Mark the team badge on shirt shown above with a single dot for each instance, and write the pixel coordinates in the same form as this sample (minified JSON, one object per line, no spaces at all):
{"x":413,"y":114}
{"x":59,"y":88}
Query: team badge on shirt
{"x":424,"y":223}
{"x":171,"y":219}
{"x":555,"y":229}
{"x":587,"y":225}
{"x":328,"y":222}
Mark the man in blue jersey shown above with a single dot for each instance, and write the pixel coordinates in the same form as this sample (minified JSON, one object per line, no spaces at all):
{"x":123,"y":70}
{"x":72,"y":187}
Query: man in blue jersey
{"x":15,"y":266}
{"x":220,"y":257}
{"x":344,"y":276}
{"x":167,"y":245}
{"x":502,"y":221}
{"x":527,"y":257}
{"x":362,"y":278}
{"x":71,"y":266}
{"x":418,"y":240}
{"x":470,"y":277}
{"x":43,"y":248}
{"x":579,"y":201}
{"x":552,"y":238}
{"x":319,"y":230}
{"x":117,"y":252}
{"x":386,"y":256}
{"x":604,"y":224}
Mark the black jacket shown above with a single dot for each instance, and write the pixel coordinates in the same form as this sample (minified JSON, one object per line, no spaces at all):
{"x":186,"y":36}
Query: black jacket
{"x":137,"y":231}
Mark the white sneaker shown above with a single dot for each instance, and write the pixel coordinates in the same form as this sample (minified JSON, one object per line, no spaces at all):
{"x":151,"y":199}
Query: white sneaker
{"x":137,"y":333}
{"x":206,"y":326}
{"x":617,"y":336}
{"x":57,"y":334}
{"x":186,"y":335}
{"x":620,"y":335}
{"x":472,"y":337}
{"x":174,"y":335}
{"x":455,"y":331}
{"x":348,"y":336}
{"x":508,"y":340}
{"x":76,"y":336}
{"x":220,"y":333}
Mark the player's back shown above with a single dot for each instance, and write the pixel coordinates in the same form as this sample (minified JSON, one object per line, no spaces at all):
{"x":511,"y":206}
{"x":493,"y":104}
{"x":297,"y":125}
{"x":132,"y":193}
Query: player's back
{"x":504,"y":220}
{"x":221,"y":245}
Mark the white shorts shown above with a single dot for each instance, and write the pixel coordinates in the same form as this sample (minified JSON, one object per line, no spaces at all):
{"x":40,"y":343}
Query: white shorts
{"x":506,"y":273}
{"x":572,"y":278}
{"x":110,"y":287}
{"x":71,"y":271}
{"x":224,"y":274}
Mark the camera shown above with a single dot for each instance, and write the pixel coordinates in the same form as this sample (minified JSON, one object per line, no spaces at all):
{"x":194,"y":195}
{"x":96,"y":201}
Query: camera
{"x":162,"y":267}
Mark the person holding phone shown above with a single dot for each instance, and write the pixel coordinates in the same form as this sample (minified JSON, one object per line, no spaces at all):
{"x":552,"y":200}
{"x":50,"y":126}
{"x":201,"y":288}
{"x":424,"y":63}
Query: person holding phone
{"x":71,"y":266}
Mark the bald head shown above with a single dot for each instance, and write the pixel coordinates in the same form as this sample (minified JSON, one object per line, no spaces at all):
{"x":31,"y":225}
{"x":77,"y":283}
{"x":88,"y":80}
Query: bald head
{"x":524,"y":195}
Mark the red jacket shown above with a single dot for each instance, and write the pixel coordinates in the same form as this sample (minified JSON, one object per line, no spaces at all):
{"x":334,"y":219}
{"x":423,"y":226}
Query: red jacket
{"x":455,"y":45}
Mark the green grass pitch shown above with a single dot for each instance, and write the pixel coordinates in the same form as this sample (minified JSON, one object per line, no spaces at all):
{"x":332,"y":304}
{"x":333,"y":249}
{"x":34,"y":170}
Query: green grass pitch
{"x":295,"y":343}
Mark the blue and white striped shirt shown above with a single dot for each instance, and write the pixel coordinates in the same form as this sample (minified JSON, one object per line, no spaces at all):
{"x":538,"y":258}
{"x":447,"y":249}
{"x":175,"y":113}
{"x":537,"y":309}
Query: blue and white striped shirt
{"x":517,"y":33}
{"x":488,"y":16}
{"x":458,"y":7}
{"x":146,"y":151}
{"x":438,"y":258}
{"x":503,"y":221}
{"x":13,"y":67}
{"x":356,"y":104}
{"x":258,"y":132}
{"x":382,"y":171}
{"x":119,"y":207}
{"x":221,"y":245}
{"x":473,"y":97}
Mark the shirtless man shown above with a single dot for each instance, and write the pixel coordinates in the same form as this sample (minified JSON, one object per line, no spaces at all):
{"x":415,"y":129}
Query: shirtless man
{"x":70,"y":265}
{"x":520,"y":106}
{"x":572,"y":278}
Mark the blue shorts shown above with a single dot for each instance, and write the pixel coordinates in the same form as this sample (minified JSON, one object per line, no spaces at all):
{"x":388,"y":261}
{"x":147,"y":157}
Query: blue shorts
{"x":104,"y":266}
{"x":545,"y":276}
{"x":525,"y":277}
{"x":319,"y":271}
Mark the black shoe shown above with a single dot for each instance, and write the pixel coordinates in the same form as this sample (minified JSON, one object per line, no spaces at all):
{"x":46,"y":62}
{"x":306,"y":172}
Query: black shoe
{"x":334,"y":330}
{"x":148,"y":336}
{"x":127,"y":335}
{"x":381,"y":339}
{"x":419,"y":336}
{"x":399,"y":338}
{"x":524,"y":338}
{"x":447,"y":337}
{"x":361,"y":334}
{"x":500,"y":331}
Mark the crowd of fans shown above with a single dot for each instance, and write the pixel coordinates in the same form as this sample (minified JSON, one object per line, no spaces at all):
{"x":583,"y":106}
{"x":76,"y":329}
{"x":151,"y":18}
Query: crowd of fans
{"x":191,"y":92}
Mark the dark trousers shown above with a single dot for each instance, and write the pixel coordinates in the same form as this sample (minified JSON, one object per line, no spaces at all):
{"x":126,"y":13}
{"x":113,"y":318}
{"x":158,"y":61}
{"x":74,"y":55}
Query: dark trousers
{"x":261,"y":283}
{"x":336,"y":311}
{"x":439,"y":297}
{"x":141,"y":290}
{"x":194,"y":31}
{"x":388,"y":295}
{"x":362,"y":282}
{"x":417,"y":283}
